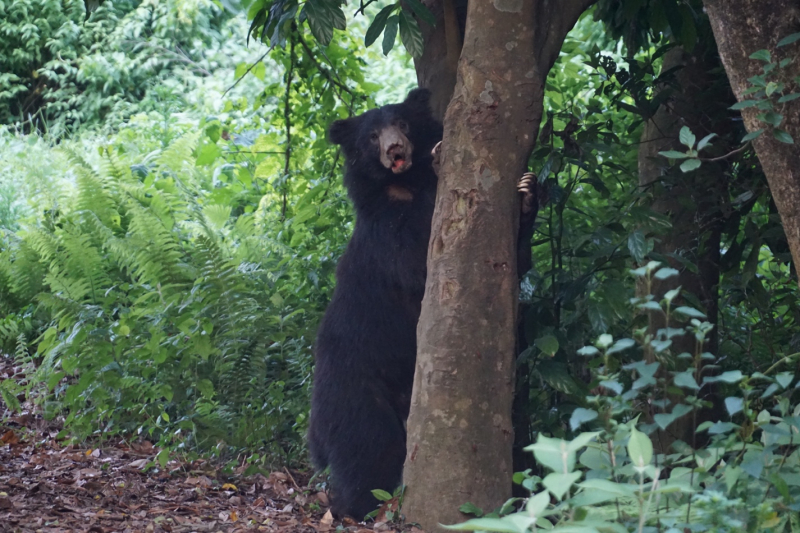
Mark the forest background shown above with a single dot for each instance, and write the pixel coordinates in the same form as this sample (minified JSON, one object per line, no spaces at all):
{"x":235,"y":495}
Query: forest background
{"x":171,"y":215}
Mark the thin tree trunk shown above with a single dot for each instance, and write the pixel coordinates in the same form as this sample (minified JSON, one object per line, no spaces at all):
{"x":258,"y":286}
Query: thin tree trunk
{"x":691,"y":201}
{"x":742,"y":27}
{"x":459,"y":429}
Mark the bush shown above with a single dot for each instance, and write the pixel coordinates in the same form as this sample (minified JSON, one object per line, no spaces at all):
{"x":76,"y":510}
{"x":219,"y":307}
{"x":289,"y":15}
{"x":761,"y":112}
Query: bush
{"x":743,"y":475}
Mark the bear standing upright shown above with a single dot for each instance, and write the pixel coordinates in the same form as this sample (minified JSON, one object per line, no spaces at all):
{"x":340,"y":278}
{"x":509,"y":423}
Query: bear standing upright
{"x":367,"y":343}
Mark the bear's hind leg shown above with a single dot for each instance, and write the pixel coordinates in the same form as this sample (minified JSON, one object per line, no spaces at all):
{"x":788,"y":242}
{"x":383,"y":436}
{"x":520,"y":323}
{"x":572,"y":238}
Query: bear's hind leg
{"x":369,"y":455}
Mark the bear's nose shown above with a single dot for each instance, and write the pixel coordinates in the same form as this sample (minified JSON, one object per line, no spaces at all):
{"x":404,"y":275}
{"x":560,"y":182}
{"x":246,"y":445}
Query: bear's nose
{"x":396,"y":150}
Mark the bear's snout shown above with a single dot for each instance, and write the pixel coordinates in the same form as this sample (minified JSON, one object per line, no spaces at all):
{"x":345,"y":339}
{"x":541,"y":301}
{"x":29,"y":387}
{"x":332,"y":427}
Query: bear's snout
{"x":396,"y":150}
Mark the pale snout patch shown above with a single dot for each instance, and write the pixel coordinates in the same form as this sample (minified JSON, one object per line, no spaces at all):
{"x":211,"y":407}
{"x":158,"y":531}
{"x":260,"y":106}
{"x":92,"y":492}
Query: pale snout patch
{"x":396,"y":150}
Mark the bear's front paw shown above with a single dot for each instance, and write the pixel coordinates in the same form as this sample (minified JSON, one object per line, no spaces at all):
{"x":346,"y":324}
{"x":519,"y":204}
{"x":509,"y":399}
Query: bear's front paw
{"x":528,"y":187}
{"x":437,"y":157}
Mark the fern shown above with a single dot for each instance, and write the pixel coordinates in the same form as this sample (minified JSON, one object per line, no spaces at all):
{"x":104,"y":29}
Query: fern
{"x":162,"y":310}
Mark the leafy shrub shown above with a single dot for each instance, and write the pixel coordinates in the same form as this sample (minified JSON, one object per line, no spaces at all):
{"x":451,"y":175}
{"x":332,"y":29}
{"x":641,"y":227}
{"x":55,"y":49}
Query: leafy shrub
{"x":61,"y":67}
{"x":171,"y":317}
{"x":745,"y":477}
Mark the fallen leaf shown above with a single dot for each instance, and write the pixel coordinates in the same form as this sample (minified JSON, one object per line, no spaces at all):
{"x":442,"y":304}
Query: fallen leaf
{"x":10,"y":438}
{"x":139,"y":463}
{"x":326,"y":522}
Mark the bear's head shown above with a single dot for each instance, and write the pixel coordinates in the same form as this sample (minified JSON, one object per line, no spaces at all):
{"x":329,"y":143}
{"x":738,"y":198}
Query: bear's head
{"x":387,"y":141}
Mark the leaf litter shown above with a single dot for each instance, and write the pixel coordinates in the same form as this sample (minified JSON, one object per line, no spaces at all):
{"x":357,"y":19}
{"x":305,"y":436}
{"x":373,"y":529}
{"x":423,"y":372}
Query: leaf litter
{"x":50,"y":486}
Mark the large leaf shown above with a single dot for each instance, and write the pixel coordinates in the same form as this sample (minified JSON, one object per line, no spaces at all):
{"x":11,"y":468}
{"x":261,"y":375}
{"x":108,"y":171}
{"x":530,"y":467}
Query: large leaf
{"x":323,"y":17}
{"x":390,"y":34}
{"x":637,"y":245}
{"x":410,"y":34}
{"x":378,"y":24}
{"x":640,"y":448}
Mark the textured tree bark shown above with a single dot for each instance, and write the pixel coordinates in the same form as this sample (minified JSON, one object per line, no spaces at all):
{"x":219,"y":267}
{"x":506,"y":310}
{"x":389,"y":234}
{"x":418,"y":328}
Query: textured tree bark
{"x":459,"y":429}
{"x":691,"y":201}
{"x":436,"y":68}
{"x":742,"y":27}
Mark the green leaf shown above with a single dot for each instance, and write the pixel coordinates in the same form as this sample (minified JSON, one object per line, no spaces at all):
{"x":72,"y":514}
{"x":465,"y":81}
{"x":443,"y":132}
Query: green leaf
{"x":553,"y":454}
{"x":259,"y":70}
{"x":762,"y":55}
{"x":705,"y":141}
{"x":471,"y":509}
{"x":588,"y":351}
{"x":789,"y":39}
{"x":621,"y":345}
{"x":784,"y":379}
{"x":744,"y":104}
{"x":772,"y":118}
{"x":690,"y":312}
{"x":663,"y":420}
{"x":537,"y":504}
{"x":422,"y":12}
{"x":581,"y":416}
{"x":731,"y":376}
{"x":559,"y":484}
{"x":721,"y":427}
{"x":206,"y":388}
{"x":690,"y":164}
{"x":673,"y":154}
{"x":686,"y":380}
{"x":323,"y":17}
{"x":581,"y":441}
{"x":390,"y":34}
{"x":670,"y":295}
{"x":547,"y":344}
{"x":637,"y":245}
{"x":163,"y":457}
{"x":410,"y":34}
{"x":686,"y":137}
{"x":664,"y":273}
{"x":600,"y":490}
{"x":782,"y":136}
{"x":752,"y":135}
{"x":788,"y":98}
{"x":640,"y":448}
{"x":381,"y":495}
{"x":207,"y":154}
{"x":515,"y":523}
{"x":604,"y":341}
{"x":734,"y":404}
{"x":376,"y":28}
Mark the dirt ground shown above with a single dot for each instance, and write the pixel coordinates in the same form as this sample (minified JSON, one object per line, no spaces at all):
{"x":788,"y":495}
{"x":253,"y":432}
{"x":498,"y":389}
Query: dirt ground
{"x":51,"y":487}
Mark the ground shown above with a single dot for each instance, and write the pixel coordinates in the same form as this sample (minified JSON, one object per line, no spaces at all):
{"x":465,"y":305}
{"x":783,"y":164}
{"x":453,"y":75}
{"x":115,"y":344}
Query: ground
{"x":51,"y":487}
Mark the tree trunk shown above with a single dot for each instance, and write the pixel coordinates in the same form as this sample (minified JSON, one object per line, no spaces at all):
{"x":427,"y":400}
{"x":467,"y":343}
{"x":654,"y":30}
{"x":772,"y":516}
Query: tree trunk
{"x":436,"y":69}
{"x":692,"y":201}
{"x":459,"y":429}
{"x":742,"y":27}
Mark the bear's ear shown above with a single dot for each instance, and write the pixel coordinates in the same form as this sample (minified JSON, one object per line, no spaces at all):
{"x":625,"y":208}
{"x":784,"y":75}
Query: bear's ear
{"x":341,"y":131}
{"x":419,"y":100}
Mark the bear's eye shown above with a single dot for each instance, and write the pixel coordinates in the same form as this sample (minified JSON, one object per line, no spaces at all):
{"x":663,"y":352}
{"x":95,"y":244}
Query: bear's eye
{"x":403,"y":125}
{"x":373,"y":137}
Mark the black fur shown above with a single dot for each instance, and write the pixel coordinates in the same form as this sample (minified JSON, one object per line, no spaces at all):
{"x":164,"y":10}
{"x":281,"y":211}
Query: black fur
{"x":366,"y":344}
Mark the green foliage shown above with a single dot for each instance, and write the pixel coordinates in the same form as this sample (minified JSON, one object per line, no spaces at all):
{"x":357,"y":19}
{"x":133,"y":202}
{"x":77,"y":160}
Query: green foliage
{"x":745,"y":478}
{"x":597,"y":222}
{"x":61,"y":67}
{"x":168,"y":318}
{"x":274,"y":20}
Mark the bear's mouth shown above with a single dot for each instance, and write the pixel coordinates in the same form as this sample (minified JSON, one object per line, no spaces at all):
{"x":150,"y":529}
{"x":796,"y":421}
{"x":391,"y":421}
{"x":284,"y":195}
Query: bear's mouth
{"x":400,"y":163}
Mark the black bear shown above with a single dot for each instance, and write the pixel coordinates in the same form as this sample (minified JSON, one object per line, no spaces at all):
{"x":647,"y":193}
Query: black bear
{"x":366,"y":344}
